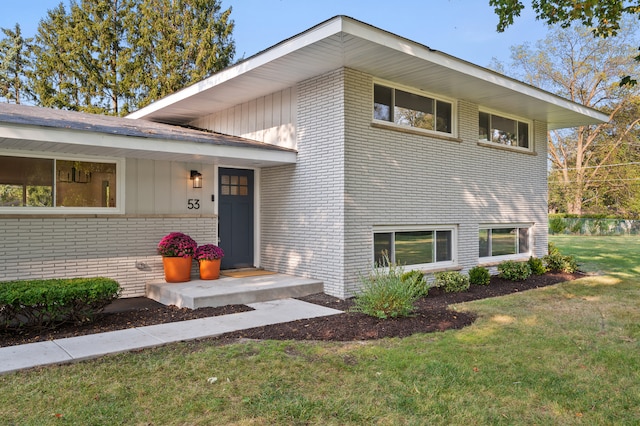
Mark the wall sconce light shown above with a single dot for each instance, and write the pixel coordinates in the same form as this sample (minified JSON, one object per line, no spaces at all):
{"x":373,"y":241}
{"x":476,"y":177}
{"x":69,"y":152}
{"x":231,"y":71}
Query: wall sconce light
{"x":196,"y":177}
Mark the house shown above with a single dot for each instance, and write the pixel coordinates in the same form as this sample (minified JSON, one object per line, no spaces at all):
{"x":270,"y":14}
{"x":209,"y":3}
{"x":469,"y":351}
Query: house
{"x":315,"y":156}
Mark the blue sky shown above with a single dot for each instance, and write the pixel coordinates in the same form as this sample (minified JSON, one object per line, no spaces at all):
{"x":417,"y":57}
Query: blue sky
{"x":462,"y":28}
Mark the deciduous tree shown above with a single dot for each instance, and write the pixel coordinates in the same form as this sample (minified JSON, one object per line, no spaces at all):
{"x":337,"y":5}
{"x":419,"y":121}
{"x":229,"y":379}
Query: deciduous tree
{"x":571,"y":63}
{"x":602,"y":17}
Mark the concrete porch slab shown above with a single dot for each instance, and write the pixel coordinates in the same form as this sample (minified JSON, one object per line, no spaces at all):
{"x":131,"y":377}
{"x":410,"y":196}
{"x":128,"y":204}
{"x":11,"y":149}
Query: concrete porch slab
{"x":232,"y":291}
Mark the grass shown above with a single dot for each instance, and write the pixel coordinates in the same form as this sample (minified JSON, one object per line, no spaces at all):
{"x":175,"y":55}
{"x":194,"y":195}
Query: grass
{"x":566,"y":354}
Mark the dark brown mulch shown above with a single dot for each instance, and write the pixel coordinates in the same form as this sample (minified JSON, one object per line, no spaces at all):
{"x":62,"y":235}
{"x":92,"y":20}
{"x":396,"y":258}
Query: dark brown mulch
{"x":431,"y":315}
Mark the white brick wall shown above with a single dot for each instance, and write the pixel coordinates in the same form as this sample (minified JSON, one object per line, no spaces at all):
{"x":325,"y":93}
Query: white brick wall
{"x":302,"y":206}
{"x":318,"y":216}
{"x":122,"y":248}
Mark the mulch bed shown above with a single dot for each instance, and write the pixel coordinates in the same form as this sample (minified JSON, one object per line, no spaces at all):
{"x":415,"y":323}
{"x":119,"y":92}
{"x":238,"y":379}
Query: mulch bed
{"x":431,"y":314}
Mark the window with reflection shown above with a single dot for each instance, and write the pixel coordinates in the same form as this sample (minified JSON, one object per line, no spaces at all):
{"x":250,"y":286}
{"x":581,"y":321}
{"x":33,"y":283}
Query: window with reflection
{"x":502,"y":130}
{"x":413,"y":247}
{"x":46,"y":182}
{"x":411,"y":109}
{"x":503,"y":241}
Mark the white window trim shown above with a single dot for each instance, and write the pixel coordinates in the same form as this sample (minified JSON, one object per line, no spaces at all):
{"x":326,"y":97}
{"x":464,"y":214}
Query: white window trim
{"x":512,"y":117}
{"x":517,"y":256}
{"x":391,"y":124}
{"x":425,"y":266}
{"x":120,"y":186}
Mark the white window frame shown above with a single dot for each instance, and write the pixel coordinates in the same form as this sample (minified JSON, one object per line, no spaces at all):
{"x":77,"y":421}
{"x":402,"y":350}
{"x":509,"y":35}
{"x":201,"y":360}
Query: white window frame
{"x":120,"y":186}
{"x":510,"y":117}
{"x":516,"y":256}
{"x":421,"y":266}
{"x":392,"y":124}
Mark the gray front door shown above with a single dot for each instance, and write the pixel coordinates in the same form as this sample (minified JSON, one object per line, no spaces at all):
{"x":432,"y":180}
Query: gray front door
{"x":235,"y":217}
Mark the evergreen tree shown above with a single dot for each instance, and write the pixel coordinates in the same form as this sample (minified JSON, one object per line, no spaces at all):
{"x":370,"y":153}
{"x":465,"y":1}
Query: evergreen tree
{"x":115,"y":56}
{"x":15,"y":61}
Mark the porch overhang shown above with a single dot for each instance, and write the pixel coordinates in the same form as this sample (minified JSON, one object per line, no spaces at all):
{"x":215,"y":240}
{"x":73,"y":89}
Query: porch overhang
{"x":346,"y":42}
{"x":63,"y":132}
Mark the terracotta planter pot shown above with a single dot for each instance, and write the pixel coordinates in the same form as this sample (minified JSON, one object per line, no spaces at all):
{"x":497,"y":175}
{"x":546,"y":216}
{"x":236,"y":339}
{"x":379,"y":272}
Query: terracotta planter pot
{"x":177,"y":269}
{"x":210,"y":269}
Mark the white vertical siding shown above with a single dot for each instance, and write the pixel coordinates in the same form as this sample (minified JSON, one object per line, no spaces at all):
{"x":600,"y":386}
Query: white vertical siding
{"x":270,"y":119}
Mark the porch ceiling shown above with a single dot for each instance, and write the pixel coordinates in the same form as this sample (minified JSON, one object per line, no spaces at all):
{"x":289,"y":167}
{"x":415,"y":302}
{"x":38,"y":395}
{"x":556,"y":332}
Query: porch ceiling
{"x":345,"y":42}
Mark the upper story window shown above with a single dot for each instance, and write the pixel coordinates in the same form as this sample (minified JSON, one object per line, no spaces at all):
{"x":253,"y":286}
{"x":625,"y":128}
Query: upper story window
{"x":503,"y":130}
{"x":33,"y":184}
{"x":410,"y":109}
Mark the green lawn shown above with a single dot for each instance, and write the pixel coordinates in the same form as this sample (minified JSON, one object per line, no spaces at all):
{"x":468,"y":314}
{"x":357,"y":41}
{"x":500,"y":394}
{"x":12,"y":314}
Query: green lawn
{"x":567,"y":354}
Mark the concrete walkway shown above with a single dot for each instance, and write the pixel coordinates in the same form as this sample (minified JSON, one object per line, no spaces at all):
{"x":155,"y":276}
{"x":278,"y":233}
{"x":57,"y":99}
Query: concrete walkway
{"x":13,"y":358}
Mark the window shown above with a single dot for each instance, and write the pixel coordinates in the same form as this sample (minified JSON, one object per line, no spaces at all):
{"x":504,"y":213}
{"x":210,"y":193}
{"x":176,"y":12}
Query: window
{"x":46,"y":182}
{"x":414,"y":247}
{"x":234,"y":185}
{"x":503,"y":241}
{"x":412,"y":110}
{"x":503,"y":130}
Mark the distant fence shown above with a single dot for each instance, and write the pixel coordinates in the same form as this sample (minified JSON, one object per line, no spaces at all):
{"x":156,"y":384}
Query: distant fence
{"x":593,"y":226}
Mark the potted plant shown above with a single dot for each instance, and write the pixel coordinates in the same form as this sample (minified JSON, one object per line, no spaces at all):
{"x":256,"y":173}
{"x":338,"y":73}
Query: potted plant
{"x":177,"y":250}
{"x":209,"y":257}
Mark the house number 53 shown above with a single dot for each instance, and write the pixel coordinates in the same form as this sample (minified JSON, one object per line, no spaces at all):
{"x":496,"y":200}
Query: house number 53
{"x":193,"y":204}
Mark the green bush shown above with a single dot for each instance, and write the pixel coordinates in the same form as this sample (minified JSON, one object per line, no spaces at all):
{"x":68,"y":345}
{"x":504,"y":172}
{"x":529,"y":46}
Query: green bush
{"x":46,"y":303}
{"x":514,"y":271}
{"x":479,"y":276}
{"x":452,"y":281}
{"x":556,"y":262}
{"x":384,"y":294}
{"x":416,"y":282}
{"x":557,"y":225}
{"x":537,"y":266}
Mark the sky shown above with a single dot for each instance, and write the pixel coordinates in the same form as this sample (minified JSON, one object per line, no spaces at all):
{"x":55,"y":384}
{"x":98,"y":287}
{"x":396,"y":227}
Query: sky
{"x":465,"y":29}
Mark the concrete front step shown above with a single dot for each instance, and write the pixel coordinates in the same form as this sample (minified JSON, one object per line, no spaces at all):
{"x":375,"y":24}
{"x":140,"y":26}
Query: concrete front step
{"x":232,"y":291}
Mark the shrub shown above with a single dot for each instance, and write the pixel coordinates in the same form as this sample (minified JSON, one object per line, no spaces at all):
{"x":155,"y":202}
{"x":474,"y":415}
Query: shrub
{"x":46,"y":303}
{"x":557,"y":225}
{"x":556,"y":262}
{"x":514,"y":271}
{"x":479,"y":276}
{"x":384,"y":294}
{"x":452,"y":281}
{"x":416,"y":282}
{"x":537,"y":266}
